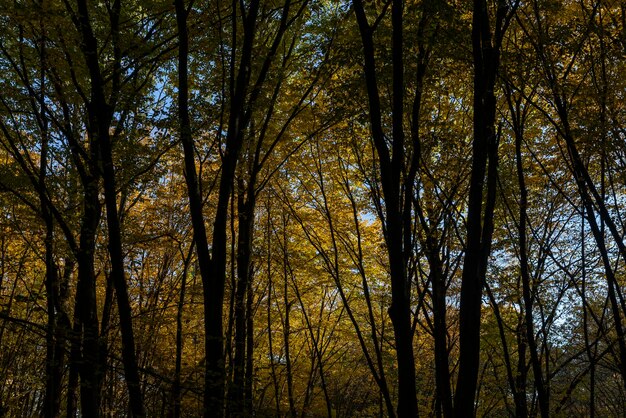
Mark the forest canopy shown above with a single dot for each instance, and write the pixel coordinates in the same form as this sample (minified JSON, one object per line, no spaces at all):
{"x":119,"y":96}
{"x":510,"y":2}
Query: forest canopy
{"x":312,"y":208}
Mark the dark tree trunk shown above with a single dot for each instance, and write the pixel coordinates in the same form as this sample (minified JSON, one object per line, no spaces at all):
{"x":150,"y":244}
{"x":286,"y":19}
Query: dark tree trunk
{"x":245,"y":211}
{"x":527,"y":292}
{"x":243,"y":95}
{"x":213,"y":268}
{"x":100,"y":114}
{"x":486,"y":54}
{"x":55,"y":344}
{"x":129,"y":358}
{"x":521,"y":403}
{"x":62,"y":331}
{"x":287,"y":318}
{"x":392,"y":163}
{"x":270,"y":289}
{"x":248,"y":383}
{"x":74,"y":365}
{"x":440,"y":331}
{"x":174,"y":410}
{"x":85,"y":354}
{"x":590,"y":348}
{"x":400,"y":309}
{"x":238,"y":120}
{"x":197,"y":218}
{"x":286,"y":331}
{"x":270,"y":340}
{"x":518,"y":117}
{"x":57,"y":323}
{"x":54,"y":357}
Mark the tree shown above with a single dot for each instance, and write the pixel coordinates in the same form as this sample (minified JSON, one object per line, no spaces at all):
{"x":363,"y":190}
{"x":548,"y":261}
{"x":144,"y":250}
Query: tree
{"x":486,"y":49}
{"x":398,"y":159}
{"x":311,"y":208}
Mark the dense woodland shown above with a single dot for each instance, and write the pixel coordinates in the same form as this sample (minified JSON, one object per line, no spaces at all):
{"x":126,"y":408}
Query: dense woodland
{"x":312,"y":208}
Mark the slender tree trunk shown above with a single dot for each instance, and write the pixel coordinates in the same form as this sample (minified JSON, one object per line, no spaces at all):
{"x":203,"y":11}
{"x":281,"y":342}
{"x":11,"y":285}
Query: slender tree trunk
{"x":100,"y":115}
{"x":270,"y":289}
{"x":287,"y":319}
{"x":230,"y":327}
{"x":286,"y":332}
{"x":105,"y":321}
{"x":542,"y":394}
{"x":518,"y":116}
{"x":213,"y":403}
{"x":440,"y":331}
{"x":54,"y":363}
{"x":129,"y":357}
{"x":270,"y":340}
{"x":521,"y":403}
{"x":54,"y":346}
{"x":56,"y":323}
{"x":63,"y":328}
{"x":400,"y":309}
{"x":392,"y":162}
{"x":612,"y":283}
{"x":174,"y":410}
{"x":245,"y":211}
{"x":215,"y":287}
{"x":589,"y":349}
{"x":213,"y":270}
{"x":248,"y":383}
{"x":486,"y":53}
{"x":377,"y":368}
{"x":74,"y":365}
{"x":85,"y":354}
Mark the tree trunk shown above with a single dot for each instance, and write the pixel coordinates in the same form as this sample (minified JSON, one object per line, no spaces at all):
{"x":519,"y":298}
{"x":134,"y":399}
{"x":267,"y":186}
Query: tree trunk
{"x":542,"y":393}
{"x":392,"y":163}
{"x":440,"y":331}
{"x":129,"y":358}
{"x":86,"y":353}
{"x":100,"y":115}
{"x":286,"y":332}
{"x":54,"y":345}
{"x":270,"y":289}
{"x":245,"y":213}
{"x":486,"y":53}
{"x":174,"y":410}
{"x":248,"y":383}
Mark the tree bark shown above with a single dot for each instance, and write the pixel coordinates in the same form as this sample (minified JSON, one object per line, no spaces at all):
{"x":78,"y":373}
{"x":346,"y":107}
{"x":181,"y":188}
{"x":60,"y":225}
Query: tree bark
{"x":440,"y":331}
{"x":85,"y":355}
{"x":245,"y":214}
{"x":174,"y":410}
{"x":55,"y":343}
{"x":195,"y":208}
{"x":527,"y":292}
{"x":100,"y":114}
{"x":486,"y":55}
{"x":392,"y":162}
{"x":249,"y":375}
